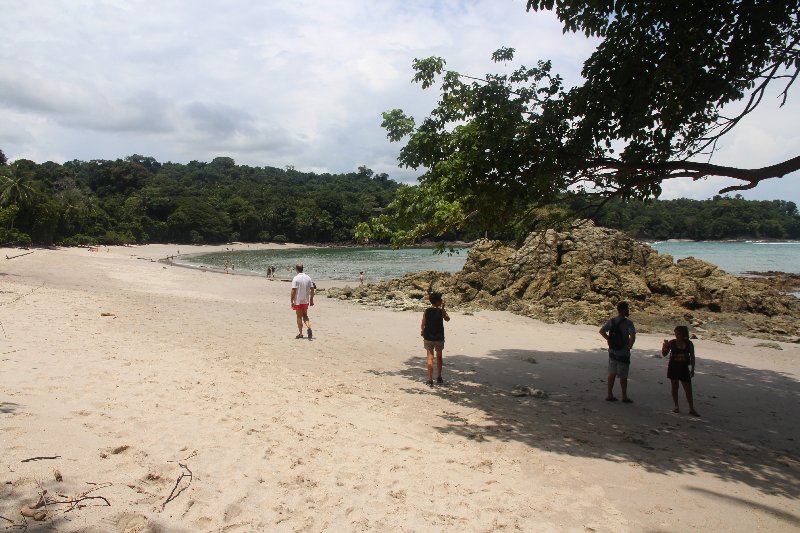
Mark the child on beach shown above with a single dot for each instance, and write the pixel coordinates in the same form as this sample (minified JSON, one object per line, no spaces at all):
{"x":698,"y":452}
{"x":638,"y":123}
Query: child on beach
{"x":432,"y":332}
{"x":681,"y":366}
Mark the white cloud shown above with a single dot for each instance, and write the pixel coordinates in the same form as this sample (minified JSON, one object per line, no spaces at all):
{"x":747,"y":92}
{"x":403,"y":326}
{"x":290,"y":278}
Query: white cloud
{"x":765,"y":137}
{"x":267,"y":83}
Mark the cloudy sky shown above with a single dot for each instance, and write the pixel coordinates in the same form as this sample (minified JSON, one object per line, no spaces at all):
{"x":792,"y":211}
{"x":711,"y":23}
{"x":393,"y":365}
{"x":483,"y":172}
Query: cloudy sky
{"x":276,"y":83}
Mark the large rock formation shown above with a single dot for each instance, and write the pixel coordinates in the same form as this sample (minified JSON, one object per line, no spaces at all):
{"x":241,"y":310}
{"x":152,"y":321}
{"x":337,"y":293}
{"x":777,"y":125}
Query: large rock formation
{"x":578,"y":276}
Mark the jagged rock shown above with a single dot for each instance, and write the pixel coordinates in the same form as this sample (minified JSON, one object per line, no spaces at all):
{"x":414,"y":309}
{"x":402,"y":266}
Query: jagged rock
{"x":718,"y":337}
{"x":578,"y":276}
{"x":773,"y":345}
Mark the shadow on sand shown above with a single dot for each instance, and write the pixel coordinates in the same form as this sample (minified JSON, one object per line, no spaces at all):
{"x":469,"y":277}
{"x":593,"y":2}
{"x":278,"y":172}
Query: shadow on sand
{"x":748,"y":433}
{"x":9,"y":407}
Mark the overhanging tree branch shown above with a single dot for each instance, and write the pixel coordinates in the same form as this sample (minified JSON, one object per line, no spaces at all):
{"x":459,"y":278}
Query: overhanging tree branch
{"x":507,"y":145}
{"x":697,"y":170}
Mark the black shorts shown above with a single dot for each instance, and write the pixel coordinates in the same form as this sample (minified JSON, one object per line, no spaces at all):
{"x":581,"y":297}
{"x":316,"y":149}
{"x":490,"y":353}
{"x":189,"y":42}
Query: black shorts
{"x":680,"y":372}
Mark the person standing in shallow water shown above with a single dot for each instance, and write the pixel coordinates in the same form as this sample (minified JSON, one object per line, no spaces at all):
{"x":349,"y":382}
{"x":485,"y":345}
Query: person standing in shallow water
{"x":620,"y":333}
{"x":681,"y":366}
{"x":432,"y":331}
{"x":302,"y":298}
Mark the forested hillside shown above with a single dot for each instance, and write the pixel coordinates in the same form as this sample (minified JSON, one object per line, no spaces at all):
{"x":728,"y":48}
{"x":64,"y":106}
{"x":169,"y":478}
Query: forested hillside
{"x":715,"y":219}
{"x":139,"y":200}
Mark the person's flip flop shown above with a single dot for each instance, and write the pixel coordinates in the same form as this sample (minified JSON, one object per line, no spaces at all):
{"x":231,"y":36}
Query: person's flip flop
{"x":612,"y":399}
{"x":299,"y":336}
{"x":627,"y":400}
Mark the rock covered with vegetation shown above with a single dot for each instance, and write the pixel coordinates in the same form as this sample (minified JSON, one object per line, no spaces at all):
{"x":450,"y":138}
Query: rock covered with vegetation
{"x":578,"y":276}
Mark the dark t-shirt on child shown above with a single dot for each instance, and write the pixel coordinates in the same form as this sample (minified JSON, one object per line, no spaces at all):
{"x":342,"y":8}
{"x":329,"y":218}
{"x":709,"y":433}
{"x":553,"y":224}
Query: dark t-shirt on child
{"x":434,"y":324}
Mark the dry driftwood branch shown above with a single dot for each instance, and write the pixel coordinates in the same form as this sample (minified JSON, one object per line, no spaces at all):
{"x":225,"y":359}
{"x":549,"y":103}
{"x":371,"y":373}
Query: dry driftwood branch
{"x":40,"y":458}
{"x":184,"y":474}
{"x":18,"y":255}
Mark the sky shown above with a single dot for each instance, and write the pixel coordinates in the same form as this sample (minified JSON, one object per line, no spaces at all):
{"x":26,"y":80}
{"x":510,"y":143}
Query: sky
{"x":278,"y":83}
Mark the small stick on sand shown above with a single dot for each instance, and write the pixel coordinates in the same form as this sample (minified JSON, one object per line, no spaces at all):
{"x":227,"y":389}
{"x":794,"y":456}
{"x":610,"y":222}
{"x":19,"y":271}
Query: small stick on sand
{"x":82,"y":497}
{"x":40,"y":458}
{"x":18,"y":255}
{"x":173,"y":494}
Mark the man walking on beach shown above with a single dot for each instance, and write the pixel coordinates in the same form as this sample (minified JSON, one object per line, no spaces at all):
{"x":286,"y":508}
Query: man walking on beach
{"x":620,"y":333}
{"x":302,"y":298}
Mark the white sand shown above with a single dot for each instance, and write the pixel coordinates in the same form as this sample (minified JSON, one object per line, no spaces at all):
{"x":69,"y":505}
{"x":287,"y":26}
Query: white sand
{"x":341,"y":434}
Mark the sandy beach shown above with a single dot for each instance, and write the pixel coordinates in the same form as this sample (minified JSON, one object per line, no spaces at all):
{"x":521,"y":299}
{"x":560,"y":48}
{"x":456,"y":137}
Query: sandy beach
{"x":176,"y":399}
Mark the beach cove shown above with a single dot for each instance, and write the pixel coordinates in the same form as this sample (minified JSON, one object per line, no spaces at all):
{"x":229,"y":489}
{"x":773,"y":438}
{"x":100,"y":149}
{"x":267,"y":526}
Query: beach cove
{"x":177,"y":399}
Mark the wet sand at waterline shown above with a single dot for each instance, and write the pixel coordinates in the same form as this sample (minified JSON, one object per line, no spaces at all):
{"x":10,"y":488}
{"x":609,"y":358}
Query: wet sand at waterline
{"x":177,"y":399}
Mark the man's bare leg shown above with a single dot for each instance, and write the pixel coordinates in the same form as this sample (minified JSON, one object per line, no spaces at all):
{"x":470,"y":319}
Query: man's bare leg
{"x":623,"y":384}
{"x":611,"y":379}
{"x":307,"y":322}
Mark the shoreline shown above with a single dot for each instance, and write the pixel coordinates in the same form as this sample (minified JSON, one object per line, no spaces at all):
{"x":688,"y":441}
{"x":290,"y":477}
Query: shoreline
{"x":787,"y":282}
{"x":722,"y":241}
{"x":118,"y":369}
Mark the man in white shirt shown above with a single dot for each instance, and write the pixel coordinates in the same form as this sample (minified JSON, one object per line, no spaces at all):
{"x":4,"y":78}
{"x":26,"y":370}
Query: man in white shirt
{"x":302,"y":298}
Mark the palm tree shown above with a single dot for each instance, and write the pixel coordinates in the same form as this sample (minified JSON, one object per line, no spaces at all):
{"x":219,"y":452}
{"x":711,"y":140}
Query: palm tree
{"x":15,"y":189}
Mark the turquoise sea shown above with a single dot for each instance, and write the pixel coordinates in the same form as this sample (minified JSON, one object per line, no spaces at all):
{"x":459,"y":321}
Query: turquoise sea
{"x":340,"y":264}
{"x":738,"y":257}
{"x":344,"y":264}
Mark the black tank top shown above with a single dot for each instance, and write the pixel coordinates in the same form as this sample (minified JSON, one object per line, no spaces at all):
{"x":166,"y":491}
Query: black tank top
{"x":434,"y":324}
{"x":680,"y":356}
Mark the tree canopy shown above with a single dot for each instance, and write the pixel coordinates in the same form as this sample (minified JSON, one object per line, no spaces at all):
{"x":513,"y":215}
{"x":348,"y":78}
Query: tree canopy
{"x":500,"y":152}
{"x":139,"y":200}
{"x":702,"y":220}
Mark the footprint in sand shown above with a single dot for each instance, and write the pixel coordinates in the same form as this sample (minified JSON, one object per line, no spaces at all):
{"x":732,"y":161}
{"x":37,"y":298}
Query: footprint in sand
{"x":134,"y":523}
{"x":231,"y":512}
{"x":116,"y":450}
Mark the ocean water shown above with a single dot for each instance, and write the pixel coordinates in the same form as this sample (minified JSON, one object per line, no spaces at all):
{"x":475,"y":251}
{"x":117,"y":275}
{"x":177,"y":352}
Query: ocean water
{"x":340,"y":264}
{"x":344,"y":264}
{"x":738,"y":257}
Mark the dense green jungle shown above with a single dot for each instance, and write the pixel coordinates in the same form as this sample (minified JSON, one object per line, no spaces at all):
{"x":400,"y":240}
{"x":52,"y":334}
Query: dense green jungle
{"x":138,"y":200}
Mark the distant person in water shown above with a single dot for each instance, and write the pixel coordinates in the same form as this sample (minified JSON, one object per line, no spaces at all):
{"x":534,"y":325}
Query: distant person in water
{"x":302,"y":298}
{"x":432,"y":332}
{"x":681,"y":366}
{"x":361,"y":277}
{"x":620,"y":333}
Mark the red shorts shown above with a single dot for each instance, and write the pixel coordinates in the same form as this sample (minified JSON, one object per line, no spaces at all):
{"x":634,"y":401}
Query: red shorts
{"x":300,"y":307}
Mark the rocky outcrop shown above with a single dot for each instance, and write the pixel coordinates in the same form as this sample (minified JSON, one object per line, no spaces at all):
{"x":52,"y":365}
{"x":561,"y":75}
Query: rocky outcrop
{"x":578,"y":276}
